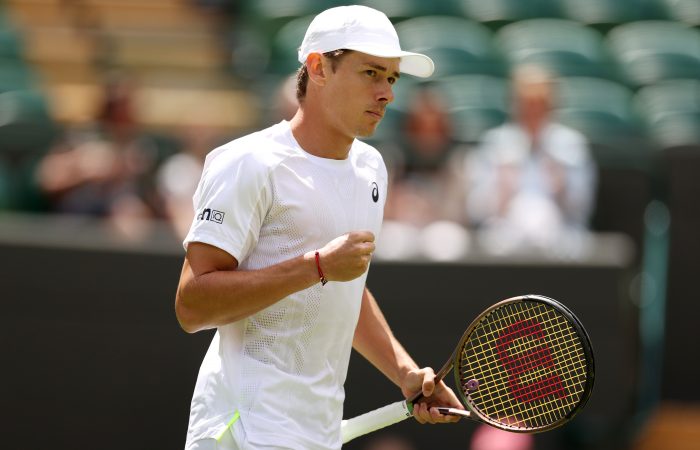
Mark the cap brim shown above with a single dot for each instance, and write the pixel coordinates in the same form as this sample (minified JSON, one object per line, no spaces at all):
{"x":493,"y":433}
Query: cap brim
{"x":416,"y":64}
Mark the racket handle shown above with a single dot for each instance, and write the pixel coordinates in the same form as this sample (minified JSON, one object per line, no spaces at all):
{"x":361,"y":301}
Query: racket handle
{"x":374,"y":420}
{"x":454,"y":412}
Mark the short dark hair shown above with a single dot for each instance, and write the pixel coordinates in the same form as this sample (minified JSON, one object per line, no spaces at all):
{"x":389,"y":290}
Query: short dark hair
{"x":303,"y":75}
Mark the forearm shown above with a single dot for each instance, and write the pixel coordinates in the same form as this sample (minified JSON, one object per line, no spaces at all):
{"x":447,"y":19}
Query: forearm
{"x":375,"y":341}
{"x":220,"y":297}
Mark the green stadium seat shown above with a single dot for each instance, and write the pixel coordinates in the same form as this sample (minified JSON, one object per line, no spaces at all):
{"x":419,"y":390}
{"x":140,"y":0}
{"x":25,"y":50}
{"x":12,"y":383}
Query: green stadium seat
{"x":458,"y":46}
{"x":274,"y":10}
{"x":269,"y":16}
{"x":446,"y":7}
{"x":564,"y":47}
{"x":477,"y":103}
{"x":605,"y":14}
{"x":26,"y":126}
{"x":687,"y":11}
{"x":671,"y":111}
{"x":497,"y":13}
{"x":15,"y":75}
{"x":26,"y":133}
{"x":607,"y":104}
{"x":4,"y":21}
{"x":652,"y":51}
{"x":5,"y":188}
{"x":254,"y":36}
{"x":603,"y":111}
{"x":283,"y":59}
{"x":407,"y":9}
{"x":10,"y":44}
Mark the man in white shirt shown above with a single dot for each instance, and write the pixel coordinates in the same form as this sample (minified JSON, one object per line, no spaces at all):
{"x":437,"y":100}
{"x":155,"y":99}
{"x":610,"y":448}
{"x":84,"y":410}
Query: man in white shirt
{"x":532,"y":180}
{"x":278,"y":252}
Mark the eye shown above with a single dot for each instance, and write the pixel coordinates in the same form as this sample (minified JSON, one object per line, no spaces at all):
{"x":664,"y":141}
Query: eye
{"x":391,"y":80}
{"x":371,"y":73}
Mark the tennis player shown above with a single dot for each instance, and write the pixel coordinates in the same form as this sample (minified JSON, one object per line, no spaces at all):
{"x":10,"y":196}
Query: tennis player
{"x":278,"y":252}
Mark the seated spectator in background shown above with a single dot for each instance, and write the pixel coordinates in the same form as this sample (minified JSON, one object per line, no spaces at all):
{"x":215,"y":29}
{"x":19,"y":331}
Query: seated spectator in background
{"x":178,"y":176}
{"x":424,"y":214}
{"x":426,"y":168}
{"x":531,"y":181}
{"x":104,"y":170}
{"x":283,"y":104}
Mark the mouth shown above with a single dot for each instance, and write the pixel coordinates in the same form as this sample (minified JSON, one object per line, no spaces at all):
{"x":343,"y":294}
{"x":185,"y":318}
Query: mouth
{"x":376,"y":114}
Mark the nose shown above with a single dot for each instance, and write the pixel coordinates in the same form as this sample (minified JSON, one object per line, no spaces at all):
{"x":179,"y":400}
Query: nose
{"x":385,"y":93}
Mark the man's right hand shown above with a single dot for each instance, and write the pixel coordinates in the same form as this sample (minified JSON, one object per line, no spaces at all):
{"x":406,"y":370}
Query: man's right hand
{"x":347,"y":257}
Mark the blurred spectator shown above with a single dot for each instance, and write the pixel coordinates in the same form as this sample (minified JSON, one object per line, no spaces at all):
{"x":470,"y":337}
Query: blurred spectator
{"x":424,"y":213}
{"x":178,"y":176}
{"x":106,"y":169}
{"x":532,"y":180}
{"x":283,"y":104}
{"x":425,"y":172}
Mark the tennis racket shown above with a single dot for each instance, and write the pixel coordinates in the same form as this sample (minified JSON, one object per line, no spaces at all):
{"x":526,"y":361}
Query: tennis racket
{"x":524,"y":365}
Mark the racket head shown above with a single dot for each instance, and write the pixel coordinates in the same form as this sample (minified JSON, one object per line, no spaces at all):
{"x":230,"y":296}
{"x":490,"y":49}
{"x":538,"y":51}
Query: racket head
{"x":525,"y":365}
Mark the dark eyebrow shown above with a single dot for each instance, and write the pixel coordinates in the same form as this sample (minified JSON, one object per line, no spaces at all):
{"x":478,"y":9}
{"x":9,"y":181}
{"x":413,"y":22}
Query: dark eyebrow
{"x":383,"y":69}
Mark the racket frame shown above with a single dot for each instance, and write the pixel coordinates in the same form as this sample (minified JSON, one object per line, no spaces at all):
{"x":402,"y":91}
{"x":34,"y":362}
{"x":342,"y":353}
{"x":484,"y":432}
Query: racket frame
{"x":474,"y":412}
{"x":401,"y":410}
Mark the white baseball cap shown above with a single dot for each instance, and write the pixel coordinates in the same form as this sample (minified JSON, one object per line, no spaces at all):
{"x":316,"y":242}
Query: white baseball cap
{"x":362,"y":29}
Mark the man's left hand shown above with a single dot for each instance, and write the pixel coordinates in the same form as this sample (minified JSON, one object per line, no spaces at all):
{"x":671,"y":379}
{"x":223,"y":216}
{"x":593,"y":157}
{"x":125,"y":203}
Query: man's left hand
{"x":434,"y":395}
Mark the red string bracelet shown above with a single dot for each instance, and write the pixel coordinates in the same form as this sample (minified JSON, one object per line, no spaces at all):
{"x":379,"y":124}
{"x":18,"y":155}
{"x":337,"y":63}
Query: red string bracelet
{"x":320,"y":272}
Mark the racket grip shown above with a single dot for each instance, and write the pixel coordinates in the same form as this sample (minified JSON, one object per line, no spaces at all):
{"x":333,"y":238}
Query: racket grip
{"x":454,"y":412}
{"x":374,"y":420}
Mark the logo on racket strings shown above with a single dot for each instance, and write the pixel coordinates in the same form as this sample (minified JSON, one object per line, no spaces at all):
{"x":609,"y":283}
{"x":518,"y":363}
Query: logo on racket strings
{"x":519,"y":360}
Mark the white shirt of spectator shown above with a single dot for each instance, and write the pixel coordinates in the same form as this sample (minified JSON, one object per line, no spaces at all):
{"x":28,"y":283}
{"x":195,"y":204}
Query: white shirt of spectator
{"x":533,"y":212}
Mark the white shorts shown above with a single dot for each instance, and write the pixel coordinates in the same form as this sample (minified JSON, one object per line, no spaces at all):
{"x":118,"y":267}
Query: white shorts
{"x":226,"y":443}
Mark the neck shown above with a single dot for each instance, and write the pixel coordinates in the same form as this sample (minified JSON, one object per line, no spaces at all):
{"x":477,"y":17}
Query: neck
{"x":533,"y":127}
{"x":317,"y":136}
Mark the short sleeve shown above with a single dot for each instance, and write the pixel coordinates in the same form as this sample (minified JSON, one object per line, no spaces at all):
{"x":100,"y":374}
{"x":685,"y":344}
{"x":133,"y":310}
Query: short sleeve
{"x":230,"y":204}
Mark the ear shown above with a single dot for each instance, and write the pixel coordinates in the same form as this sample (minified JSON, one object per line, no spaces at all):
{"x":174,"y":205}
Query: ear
{"x":317,"y":67}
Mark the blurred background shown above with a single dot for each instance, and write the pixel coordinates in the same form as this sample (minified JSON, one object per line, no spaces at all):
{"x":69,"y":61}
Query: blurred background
{"x":556,"y":151}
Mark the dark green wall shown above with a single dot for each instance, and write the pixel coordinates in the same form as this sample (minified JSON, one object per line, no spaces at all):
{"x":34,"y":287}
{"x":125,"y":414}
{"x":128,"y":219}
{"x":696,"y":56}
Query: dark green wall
{"x":93,"y":356}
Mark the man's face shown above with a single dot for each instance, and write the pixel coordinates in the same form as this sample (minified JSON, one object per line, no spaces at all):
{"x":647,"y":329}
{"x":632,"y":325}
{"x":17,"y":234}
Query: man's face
{"x":533,"y":103}
{"x":357,"y":93}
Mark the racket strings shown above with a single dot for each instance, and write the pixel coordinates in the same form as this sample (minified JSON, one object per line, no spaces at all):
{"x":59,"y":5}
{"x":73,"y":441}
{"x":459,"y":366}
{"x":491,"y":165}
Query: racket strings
{"x":500,"y":407}
{"x":530,"y":365}
{"x":495,"y":404}
{"x":559,"y":354}
{"x":506,"y":395}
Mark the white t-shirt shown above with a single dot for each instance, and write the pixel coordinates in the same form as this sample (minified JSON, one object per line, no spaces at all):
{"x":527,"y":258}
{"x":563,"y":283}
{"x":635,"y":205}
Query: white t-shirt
{"x":264,"y":200}
{"x":506,"y":154}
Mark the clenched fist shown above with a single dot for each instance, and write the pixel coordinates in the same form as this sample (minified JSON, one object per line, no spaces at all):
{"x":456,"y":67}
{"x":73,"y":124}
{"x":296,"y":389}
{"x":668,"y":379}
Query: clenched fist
{"x":347,"y":257}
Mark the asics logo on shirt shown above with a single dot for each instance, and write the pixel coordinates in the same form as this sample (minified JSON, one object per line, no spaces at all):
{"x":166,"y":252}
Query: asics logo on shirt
{"x":375,"y":192}
{"x":212,"y":215}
